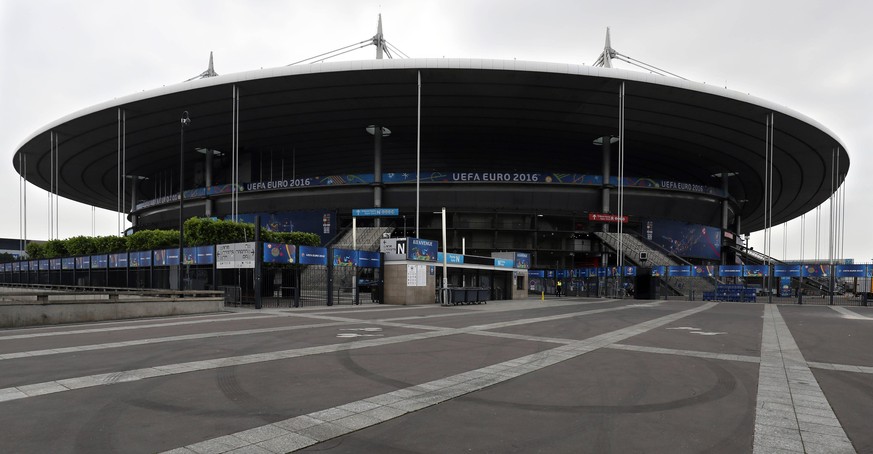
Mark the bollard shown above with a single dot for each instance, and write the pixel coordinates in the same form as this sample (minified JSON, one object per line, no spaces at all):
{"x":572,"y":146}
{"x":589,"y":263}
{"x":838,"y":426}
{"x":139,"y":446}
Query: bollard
{"x":543,"y":296}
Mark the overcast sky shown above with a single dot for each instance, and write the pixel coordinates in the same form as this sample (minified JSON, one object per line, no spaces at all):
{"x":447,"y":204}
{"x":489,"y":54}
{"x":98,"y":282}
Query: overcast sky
{"x":815,"y":57}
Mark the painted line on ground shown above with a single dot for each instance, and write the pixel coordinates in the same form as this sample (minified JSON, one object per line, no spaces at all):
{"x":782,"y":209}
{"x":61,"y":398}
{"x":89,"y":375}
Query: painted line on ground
{"x":306,"y":430}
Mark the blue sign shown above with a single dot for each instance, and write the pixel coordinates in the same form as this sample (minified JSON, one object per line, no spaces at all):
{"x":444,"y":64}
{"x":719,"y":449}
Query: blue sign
{"x":55,"y":264}
{"x":522,"y":260}
{"x":280,"y":253}
{"x":536,"y":273}
{"x":375,"y":212}
{"x":785,"y":284}
{"x":730,"y":270}
{"x":44,"y":265}
{"x":68,"y":263}
{"x":344,"y":257}
{"x":815,"y":271}
{"x":310,"y":255}
{"x":456,"y":259}
{"x":421,"y":250}
{"x":369,"y":259}
{"x":786,"y":271}
{"x":141,"y":258}
{"x":504,"y":263}
{"x":166,"y":257}
{"x":99,"y":261}
{"x":703,"y":271}
{"x":83,"y":263}
{"x":756,"y":270}
{"x":630,"y":271}
{"x":118,"y":260}
{"x":680,"y":271}
{"x":850,"y":271}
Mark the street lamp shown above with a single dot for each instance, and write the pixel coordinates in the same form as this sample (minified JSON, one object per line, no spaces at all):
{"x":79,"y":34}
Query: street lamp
{"x":186,"y":120}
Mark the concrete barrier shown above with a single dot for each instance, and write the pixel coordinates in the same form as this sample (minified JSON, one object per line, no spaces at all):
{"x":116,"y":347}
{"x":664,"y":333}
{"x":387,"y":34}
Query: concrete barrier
{"x":45,"y":312}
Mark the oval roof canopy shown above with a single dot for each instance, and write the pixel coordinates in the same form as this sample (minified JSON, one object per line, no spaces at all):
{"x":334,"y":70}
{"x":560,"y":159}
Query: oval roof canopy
{"x":477,"y":115}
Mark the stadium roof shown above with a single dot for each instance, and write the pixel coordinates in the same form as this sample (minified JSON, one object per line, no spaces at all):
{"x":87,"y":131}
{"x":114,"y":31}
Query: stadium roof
{"x":478,"y":115}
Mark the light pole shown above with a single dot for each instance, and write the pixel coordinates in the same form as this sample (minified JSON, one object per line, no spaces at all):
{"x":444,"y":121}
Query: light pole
{"x":186,"y":120}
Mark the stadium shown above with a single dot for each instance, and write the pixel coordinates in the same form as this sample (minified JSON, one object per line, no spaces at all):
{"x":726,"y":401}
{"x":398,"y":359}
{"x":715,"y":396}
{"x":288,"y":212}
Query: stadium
{"x":535,"y":157}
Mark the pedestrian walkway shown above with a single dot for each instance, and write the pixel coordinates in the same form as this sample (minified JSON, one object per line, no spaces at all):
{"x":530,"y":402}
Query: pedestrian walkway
{"x":568,"y":375}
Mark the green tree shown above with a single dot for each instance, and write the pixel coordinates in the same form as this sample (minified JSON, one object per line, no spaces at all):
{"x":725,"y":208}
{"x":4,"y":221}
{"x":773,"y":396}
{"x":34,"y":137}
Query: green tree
{"x":80,"y":245}
{"x":35,"y":250}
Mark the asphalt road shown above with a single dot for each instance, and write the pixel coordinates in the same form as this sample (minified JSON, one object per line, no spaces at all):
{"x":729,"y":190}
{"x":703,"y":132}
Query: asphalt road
{"x":562,"y":375}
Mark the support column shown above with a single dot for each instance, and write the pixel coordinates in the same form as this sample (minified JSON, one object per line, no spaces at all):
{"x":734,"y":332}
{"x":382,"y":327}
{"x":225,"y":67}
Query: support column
{"x":377,"y":170}
{"x":607,"y":155}
{"x":208,"y":172}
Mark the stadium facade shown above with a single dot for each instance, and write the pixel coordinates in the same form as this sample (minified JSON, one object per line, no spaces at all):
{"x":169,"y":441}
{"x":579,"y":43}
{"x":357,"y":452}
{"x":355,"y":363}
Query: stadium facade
{"x":525,"y":156}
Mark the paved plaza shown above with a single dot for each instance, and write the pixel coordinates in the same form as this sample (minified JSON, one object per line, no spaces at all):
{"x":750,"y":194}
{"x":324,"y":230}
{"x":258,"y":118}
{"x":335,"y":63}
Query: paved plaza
{"x":561,"y":375}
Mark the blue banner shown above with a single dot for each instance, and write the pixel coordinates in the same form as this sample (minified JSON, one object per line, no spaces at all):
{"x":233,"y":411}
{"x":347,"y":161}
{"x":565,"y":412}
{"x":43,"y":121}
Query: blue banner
{"x":322,"y":223}
{"x":630,"y":271}
{"x":785,"y":284}
{"x":730,"y":270}
{"x":850,"y":271}
{"x":34,"y":265}
{"x":344,"y":257}
{"x":680,"y":271}
{"x":118,"y":260}
{"x":44,"y":265}
{"x":504,"y":263}
{"x":816,"y":270}
{"x":421,"y":250}
{"x":756,"y":270}
{"x":166,"y":257}
{"x":16,"y":266}
{"x":536,"y":273}
{"x":99,"y":261}
{"x":68,"y":263}
{"x":703,"y":271}
{"x":522,"y":260}
{"x":451,"y":258}
{"x":369,"y":259}
{"x":55,"y":264}
{"x":786,"y":270}
{"x":375,"y":212}
{"x":83,"y":263}
{"x":141,"y":258}
{"x":659,"y":271}
{"x":280,"y":253}
{"x":310,"y":255}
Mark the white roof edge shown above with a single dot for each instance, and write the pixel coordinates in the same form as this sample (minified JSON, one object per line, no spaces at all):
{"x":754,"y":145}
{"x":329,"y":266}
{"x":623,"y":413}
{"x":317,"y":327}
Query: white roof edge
{"x":438,"y":63}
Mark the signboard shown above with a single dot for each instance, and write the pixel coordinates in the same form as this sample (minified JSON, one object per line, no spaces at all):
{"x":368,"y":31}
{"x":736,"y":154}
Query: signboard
{"x":703,"y":271}
{"x":44,"y":265}
{"x":311,"y":255}
{"x":393,"y":248}
{"x":680,"y":271}
{"x":756,"y":270}
{"x":785,"y":285}
{"x":850,"y":271}
{"x":522,"y":260}
{"x":344,"y":257}
{"x":456,"y":259}
{"x":504,"y":263}
{"x":659,"y":271}
{"x":99,"y":261}
{"x":375,"y":212}
{"x":421,"y":250}
{"x":605,"y":217}
{"x":118,"y":260}
{"x":416,"y":275}
{"x":815,"y":271}
{"x":235,"y":255}
{"x":630,"y":271}
{"x":55,"y":264}
{"x":68,"y":263}
{"x":280,"y":253}
{"x":83,"y":263}
{"x":536,"y":273}
{"x":786,"y":270}
{"x":201,"y":255}
{"x":369,"y":259}
{"x":166,"y":257}
{"x":140,"y":258}
{"x":730,"y":270}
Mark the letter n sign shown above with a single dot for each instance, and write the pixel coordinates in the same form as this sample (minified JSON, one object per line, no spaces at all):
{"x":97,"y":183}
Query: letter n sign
{"x":400,"y":248}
